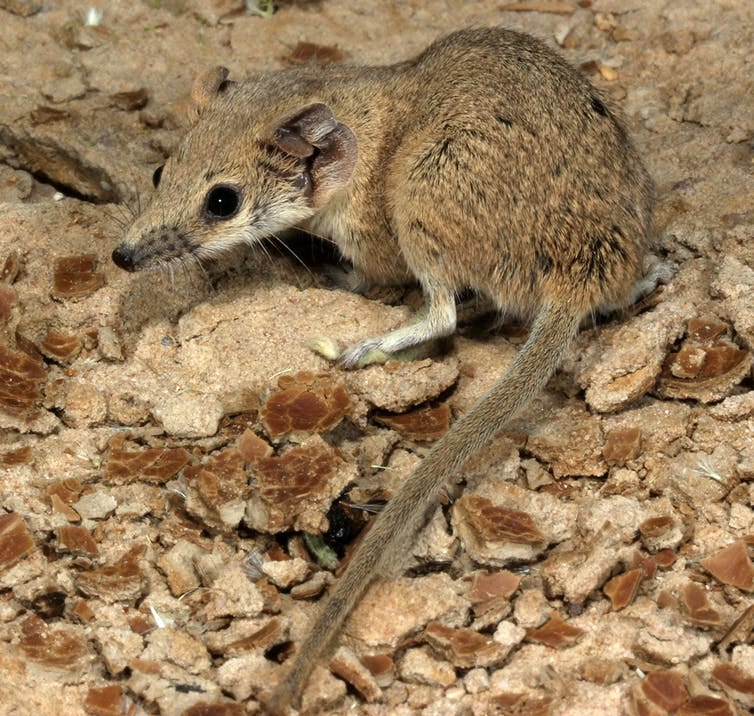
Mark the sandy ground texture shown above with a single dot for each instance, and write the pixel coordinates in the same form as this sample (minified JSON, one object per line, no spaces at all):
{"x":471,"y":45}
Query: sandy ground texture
{"x":167,"y":440}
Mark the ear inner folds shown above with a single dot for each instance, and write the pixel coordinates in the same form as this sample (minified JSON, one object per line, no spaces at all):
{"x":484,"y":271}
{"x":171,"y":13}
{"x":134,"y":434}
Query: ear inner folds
{"x":313,"y":133}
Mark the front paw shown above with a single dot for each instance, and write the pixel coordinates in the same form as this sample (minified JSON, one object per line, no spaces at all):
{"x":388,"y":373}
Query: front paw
{"x":358,"y":356}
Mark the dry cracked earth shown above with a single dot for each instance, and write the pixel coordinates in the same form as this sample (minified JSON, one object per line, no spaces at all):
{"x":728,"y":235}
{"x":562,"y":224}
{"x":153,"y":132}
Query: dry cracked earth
{"x":180,"y":475}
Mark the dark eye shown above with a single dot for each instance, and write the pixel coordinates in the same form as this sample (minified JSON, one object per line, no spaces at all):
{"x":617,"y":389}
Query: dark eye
{"x":157,"y":176}
{"x":222,"y":202}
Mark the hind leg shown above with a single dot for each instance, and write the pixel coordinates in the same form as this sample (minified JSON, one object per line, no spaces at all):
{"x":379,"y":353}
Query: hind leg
{"x":658,"y":273}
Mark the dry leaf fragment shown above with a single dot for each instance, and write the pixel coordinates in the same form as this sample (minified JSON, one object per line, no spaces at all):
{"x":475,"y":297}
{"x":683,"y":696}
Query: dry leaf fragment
{"x":69,"y":490}
{"x":426,"y":423}
{"x":555,"y":632}
{"x":655,"y":526}
{"x":647,"y":564}
{"x":56,"y":647}
{"x":11,"y":268}
{"x":220,"y":479}
{"x":703,"y":705}
{"x":123,"y":580}
{"x":736,"y":683}
{"x":305,"y":402}
{"x":83,"y":612}
{"x":15,"y":540}
{"x":251,"y":447}
{"x":515,"y":704}
{"x":663,"y":689}
{"x":21,"y":376}
{"x":105,"y":701}
{"x":155,"y":465}
{"x":7,"y":302}
{"x":348,"y":667}
{"x":697,"y":606}
{"x":486,"y":585}
{"x":732,"y":566}
{"x":265,"y":637}
{"x":665,"y":558}
{"x":77,"y":540}
{"x":381,"y":666}
{"x":130,"y":100}
{"x":76,"y":276}
{"x":20,"y":456}
{"x":310,"y":52}
{"x":622,"y":589}
{"x":702,"y":330}
{"x":296,"y":485}
{"x":45,"y":115}
{"x":59,"y":346}
{"x":508,"y":700}
{"x":464,"y":648}
{"x":499,"y":524}
{"x":59,"y":506}
{"x":621,"y":446}
{"x":708,"y":365}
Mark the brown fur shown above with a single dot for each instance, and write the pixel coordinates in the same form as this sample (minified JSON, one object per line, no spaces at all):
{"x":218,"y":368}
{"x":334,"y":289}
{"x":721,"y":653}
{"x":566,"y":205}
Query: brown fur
{"x":486,"y":162}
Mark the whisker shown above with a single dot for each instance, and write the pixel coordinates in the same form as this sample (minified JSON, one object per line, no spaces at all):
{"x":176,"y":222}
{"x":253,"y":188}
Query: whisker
{"x":110,"y":213}
{"x":284,"y":245}
{"x":128,"y":211}
{"x":131,"y":204}
{"x":260,"y":246}
{"x":202,"y":271}
{"x":321,"y":237}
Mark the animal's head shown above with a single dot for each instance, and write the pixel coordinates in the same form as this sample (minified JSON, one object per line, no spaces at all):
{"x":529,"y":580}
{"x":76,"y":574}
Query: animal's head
{"x":241,"y":173}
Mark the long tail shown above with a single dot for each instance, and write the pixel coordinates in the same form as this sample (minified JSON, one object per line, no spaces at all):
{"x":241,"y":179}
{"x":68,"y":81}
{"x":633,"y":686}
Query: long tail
{"x":396,"y":526}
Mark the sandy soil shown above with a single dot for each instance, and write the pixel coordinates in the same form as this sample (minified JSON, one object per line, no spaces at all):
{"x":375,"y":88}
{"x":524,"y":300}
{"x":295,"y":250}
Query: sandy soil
{"x":166,"y":441}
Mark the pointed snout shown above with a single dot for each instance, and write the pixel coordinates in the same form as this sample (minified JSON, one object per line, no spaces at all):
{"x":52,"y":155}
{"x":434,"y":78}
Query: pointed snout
{"x":123,"y":257}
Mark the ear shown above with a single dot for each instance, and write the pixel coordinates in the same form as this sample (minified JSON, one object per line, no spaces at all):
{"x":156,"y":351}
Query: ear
{"x":208,"y":86}
{"x":329,"y":147}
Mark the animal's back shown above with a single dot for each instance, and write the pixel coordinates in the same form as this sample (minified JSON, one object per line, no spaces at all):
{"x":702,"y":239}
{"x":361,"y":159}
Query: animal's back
{"x":514,"y":158}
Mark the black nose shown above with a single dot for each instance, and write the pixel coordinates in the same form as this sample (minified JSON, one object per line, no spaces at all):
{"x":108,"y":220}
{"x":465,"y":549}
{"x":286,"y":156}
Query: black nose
{"x":123,"y":258}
